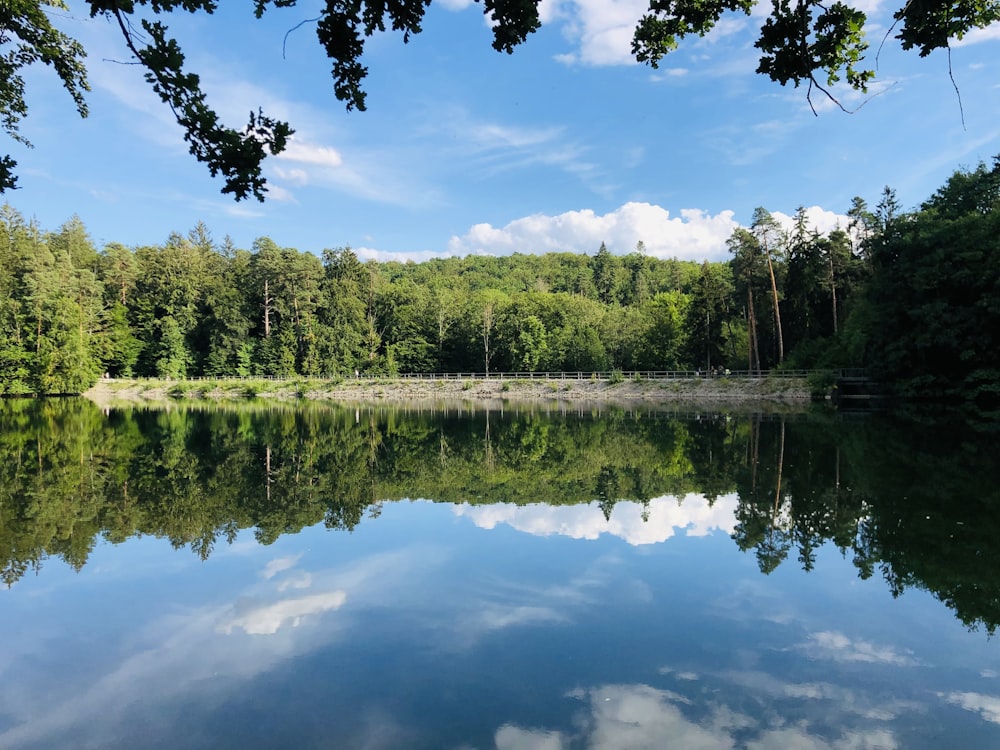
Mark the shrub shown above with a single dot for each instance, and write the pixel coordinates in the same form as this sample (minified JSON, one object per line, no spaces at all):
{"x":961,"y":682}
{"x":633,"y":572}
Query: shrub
{"x":179,"y":390}
{"x":821,"y":383}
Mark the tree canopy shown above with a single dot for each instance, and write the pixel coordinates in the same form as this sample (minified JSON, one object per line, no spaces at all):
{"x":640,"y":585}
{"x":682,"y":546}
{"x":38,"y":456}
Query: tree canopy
{"x":801,"y":42}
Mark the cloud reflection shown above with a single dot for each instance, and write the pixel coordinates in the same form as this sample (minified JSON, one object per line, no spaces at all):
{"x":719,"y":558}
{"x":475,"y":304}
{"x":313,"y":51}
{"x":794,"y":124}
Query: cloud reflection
{"x":838,"y":647}
{"x":267,"y":619}
{"x":509,"y":737}
{"x":664,"y":518}
{"x":987,"y":706}
{"x":209,"y":650}
{"x":642,"y":716}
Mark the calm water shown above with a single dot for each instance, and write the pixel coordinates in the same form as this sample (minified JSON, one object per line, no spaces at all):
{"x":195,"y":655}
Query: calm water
{"x":272,"y":577}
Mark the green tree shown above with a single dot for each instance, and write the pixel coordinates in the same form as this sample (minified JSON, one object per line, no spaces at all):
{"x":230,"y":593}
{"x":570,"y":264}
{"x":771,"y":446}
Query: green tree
{"x":707,"y":312}
{"x":606,"y":270}
{"x":767,"y":231}
{"x":747,"y":267}
{"x":172,"y":356}
{"x":666,"y":335}
{"x":935,"y":293}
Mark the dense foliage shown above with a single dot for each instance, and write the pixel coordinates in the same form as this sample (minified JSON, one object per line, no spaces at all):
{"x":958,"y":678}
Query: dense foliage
{"x":916,"y":502}
{"x":194,"y":308}
{"x":802,"y":42}
{"x":915,"y":297}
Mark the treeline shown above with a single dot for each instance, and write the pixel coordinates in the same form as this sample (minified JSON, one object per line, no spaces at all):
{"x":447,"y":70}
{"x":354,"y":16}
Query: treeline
{"x":883,"y":491}
{"x":914,"y":296}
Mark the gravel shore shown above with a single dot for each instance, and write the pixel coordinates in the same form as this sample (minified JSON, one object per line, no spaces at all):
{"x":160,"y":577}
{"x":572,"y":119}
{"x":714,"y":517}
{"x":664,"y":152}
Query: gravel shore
{"x":494,"y":389}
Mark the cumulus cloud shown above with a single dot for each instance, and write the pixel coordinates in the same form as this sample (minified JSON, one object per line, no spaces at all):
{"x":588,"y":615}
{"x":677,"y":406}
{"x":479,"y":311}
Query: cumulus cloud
{"x":600,"y":30}
{"x":663,"y":519}
{"x":978,"y":36}
{"x":693,"y":235}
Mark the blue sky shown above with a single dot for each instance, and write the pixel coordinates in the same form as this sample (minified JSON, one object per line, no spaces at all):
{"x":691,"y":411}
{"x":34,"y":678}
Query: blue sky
{"x":563,"y":145}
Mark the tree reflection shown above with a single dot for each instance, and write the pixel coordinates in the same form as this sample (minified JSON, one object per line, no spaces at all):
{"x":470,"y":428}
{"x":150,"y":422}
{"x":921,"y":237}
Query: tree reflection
{"x":917,"y":501}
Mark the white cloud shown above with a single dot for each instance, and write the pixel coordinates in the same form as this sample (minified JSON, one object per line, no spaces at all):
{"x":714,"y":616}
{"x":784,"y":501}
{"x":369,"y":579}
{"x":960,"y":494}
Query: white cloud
{"x":694,"y":235}
{"x":665,"y":517}
{"x":371,"y":253}
{"x":978,"y":36}
{"x":601,"y":30}
{"x":727,"y":26}
{"x":312,"y":154}
{"x":242,"y":212}
{"x":666,"y":74}
{"x":301,"y":581}
{"x":817,"y":218}
{"x":487,"y":148}
{"x":838,"y":647}
{"x":987,"y":706}
{"x":278,"y":193}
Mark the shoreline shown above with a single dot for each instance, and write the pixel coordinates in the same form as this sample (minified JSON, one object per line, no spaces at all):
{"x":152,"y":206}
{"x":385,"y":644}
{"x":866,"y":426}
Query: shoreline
{"x":425,"y":391}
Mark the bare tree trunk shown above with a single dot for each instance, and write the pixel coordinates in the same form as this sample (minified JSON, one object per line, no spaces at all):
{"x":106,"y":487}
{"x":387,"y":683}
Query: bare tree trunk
{"x":487,"y":329}
{"x":754,"y":343}
{"x":777,"y":488}
{"x":267,"y":310}
{"x":777,"y":312}
{"x":708,"y":341}
{"x":833,"y":292}
{"x":267,"y":472}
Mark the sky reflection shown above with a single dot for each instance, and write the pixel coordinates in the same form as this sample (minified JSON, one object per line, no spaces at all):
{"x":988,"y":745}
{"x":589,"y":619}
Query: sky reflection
{"x":663,"y":518}
{"x":527,"y":628}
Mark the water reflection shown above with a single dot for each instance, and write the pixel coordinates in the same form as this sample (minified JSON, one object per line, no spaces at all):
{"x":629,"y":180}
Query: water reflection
{"x":617,"y":613}
{"x":651,"y":522}
{"x":918,"y":503}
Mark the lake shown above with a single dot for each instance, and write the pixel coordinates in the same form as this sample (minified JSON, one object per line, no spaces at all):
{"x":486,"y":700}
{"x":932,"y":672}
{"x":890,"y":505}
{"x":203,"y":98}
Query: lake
{"x":309,"y":576}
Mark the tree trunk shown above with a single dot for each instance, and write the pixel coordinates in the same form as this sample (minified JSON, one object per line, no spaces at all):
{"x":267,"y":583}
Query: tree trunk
{"x":267,"y":311}
{"x":777,"y":312}
{"x":487,"y":328}
{"x":708,"y":341}
{"x":833,"y":292}
{"x":754,"y":345}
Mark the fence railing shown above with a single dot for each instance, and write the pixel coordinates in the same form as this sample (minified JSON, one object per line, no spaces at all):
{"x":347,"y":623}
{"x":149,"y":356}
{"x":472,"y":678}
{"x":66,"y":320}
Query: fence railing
{"x":616,"y":375}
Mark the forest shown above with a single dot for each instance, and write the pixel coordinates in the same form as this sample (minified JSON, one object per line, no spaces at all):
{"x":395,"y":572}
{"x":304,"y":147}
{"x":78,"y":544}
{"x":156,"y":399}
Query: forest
{"x":913,"y":296}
